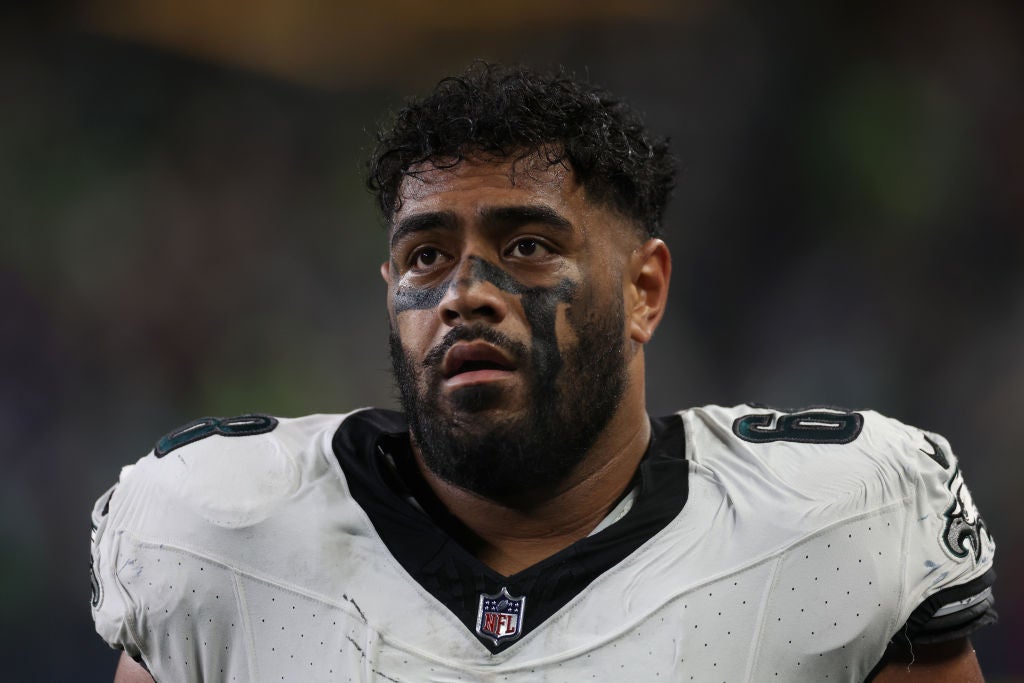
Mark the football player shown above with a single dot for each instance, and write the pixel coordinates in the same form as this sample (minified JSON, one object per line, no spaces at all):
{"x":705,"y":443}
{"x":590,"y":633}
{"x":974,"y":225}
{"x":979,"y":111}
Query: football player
{"x":524,"y":518}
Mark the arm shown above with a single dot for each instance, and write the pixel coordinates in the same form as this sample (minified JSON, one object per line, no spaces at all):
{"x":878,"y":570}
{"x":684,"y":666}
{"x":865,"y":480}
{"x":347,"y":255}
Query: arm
{"x":130,"y":671}
{"x":950,"y":662}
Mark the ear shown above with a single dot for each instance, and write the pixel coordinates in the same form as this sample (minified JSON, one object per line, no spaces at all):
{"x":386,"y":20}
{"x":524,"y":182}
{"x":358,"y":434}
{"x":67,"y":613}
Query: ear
{"x":650,"y":269}
{"x":385,"y":271}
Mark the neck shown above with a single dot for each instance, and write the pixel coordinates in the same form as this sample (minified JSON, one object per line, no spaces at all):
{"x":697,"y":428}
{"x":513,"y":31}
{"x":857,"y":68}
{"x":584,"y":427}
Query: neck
{"x":511,"y":536}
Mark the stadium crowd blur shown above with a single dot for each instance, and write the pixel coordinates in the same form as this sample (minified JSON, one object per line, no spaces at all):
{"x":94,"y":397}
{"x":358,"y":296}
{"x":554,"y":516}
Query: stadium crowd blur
{"x":186,"y":233}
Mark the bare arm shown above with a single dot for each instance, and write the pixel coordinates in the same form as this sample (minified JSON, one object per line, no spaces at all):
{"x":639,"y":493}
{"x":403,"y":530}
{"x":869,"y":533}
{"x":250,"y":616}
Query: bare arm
{"x":130,"y":671}
{"x":951,"y":662}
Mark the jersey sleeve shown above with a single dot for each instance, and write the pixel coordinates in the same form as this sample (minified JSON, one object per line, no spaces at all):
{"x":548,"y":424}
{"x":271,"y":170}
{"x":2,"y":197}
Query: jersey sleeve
{"x":198,"y":493}
{"x":949,"y":549}
{"x":110,"y":608}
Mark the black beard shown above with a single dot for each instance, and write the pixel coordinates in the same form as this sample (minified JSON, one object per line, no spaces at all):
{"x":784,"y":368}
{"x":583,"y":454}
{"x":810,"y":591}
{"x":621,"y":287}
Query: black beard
{"x":572,"y":397}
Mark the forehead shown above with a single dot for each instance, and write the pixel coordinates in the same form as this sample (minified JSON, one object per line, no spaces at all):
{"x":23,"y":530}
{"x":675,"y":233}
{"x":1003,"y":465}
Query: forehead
{"x":472,"y":185}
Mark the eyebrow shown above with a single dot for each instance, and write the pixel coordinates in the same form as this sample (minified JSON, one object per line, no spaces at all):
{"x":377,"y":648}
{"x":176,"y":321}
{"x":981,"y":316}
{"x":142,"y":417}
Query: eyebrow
{"x":525,"y":214}
{"x":423,"y":221}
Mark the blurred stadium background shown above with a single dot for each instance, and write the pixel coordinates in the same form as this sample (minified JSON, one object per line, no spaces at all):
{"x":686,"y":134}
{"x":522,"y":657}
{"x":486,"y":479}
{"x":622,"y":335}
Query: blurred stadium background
{"x":185,"y":233}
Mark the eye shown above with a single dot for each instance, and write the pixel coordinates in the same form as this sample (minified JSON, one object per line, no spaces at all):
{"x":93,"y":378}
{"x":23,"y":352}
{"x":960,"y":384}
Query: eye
{"x":527,"y":247}
{"x":426,"y":258}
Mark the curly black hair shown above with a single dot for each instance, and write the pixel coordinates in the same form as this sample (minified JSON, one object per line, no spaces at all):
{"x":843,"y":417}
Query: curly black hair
{"x":493,"y":111}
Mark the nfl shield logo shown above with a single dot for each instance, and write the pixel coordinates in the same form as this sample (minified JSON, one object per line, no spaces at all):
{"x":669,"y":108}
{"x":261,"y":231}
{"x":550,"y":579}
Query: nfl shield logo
{"x":500,"y":617}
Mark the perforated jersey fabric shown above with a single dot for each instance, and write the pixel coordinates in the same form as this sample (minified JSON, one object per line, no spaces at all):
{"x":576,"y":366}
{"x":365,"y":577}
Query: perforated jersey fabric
{"x":757,"y":545}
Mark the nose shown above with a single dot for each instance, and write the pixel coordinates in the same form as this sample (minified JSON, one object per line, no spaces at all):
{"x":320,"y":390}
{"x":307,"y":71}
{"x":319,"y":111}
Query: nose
{"x":470,"y":298}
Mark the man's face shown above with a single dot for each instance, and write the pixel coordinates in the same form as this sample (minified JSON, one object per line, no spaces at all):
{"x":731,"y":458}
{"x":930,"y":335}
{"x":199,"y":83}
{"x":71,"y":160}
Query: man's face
{"x":507,"y":327}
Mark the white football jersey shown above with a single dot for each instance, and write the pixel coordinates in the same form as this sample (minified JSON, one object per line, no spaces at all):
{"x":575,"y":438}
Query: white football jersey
{"x":757,"y":545}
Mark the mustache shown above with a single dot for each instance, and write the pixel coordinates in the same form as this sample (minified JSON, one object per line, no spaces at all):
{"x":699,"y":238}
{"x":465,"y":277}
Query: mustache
{"x":517,"y":350}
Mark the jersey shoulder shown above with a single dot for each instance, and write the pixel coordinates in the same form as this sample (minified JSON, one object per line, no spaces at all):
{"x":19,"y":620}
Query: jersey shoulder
{"x":823,"y":451}
{"x":252,"y":494}
{"x":841,"y":462}
{"x":818,"y":467}
{"x":229,"y":472}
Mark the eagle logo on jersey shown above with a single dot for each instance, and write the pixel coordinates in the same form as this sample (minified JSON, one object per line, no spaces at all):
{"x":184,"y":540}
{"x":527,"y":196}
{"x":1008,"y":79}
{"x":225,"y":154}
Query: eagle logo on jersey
{"x":500,"y":616}
{"x":937,"y":454}
{"x":964,"y":526}
{"x":96,"y":588}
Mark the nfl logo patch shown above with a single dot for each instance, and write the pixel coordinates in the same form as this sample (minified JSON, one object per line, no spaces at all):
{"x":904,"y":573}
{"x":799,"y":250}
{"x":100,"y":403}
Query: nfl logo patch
{"x":500,"y":616}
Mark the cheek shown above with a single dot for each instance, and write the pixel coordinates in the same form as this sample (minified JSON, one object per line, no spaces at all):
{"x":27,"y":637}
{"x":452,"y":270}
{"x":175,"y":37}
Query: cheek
{"x":413,"y":330}
{"x":596,"y":305}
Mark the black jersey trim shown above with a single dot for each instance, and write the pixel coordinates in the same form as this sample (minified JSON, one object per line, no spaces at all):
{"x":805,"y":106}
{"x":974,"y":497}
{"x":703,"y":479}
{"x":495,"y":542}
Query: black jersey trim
{"x":424,"y":539}
{"x":924,"y":627}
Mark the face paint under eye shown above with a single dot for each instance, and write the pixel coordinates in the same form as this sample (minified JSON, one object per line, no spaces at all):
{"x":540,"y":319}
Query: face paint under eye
{"x":416,"y":298}
{"x":540,"y":305}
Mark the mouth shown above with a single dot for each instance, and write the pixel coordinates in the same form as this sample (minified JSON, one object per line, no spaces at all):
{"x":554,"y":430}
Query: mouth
{"x":474,"y":363}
